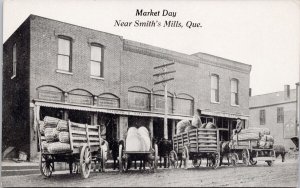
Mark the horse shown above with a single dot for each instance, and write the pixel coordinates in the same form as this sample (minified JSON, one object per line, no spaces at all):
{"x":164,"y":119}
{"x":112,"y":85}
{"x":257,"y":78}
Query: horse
{"x":224,"y":151}
{"x":164,"y":148}
{"x":280,"y":150}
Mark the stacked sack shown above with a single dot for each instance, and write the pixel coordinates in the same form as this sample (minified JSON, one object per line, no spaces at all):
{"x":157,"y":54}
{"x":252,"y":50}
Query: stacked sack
{"x":259,"y":137}
{"x":54,"y":135}
{"x":138,"y":139}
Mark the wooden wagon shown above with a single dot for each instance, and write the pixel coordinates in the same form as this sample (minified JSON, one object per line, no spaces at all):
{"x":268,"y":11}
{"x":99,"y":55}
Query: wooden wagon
{"x":125,"y":157}
{"x":195,"y":145}
{"x":85,"y":148}
{"x":250,"y":153}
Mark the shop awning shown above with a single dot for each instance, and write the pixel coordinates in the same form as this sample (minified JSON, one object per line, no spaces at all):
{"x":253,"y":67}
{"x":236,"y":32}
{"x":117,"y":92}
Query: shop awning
{"x":118,"y":111}
{"x":224,"y":114}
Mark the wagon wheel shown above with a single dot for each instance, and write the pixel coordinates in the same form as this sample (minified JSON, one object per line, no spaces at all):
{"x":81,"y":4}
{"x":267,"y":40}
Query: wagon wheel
{"x":245,"y":156}
{"x":196,"y":163}
{"x":85,"y":161}
{"x":46,"y":165}
{"x":253,"y":157}
{"x":173,"y":158}
{"x":123,"y":160}
{"x":185,"y":156}
{"x":155,"y":162}
{"x":234,"y":159}
{"x":216,"y":160}
{"x":103,"y":160}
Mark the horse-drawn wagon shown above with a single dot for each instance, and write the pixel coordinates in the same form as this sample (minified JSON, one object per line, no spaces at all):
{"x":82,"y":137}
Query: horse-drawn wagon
{"x":73,"y":143}
{"x":252,"y":145}
{"x":138,"y":145}
{"x":196,"y":144}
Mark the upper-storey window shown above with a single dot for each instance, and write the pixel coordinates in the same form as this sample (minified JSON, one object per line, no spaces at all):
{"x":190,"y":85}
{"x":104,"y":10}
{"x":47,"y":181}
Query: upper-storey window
{"x":14,"y":61}
{"x":234,"y":92}
{"x":214,"y":94}
{"x":64,"y":54}
{"x":96,"y":60}
{"x":280,"y":115}
{"x":262,"y":117}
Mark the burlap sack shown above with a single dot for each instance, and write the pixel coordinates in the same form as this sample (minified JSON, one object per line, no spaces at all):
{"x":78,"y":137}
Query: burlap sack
{"x":144,"y":133}
{"x":181,"y":125}
{"x":58,"y":147}
{"x":210,"y":125}
{"x":64,"y":137}
{"x":51,"y":134}
{"x":62,"y":126}
{"x":42,"y":127}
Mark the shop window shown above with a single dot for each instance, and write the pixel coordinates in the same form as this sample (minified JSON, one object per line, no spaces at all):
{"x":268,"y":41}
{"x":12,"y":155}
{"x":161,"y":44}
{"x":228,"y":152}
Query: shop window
{"x":280,"y":115}
{"x":234,"y":92}
{"x":262,"y":117}
{"x":96,"y":60}
{"x":14,"y":62}
{"x":214,"y":82}
{"x":64,"y":54}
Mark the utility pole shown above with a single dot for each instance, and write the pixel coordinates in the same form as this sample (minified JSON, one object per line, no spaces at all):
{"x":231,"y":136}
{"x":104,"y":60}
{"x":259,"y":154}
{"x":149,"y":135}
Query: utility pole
{"x":164,"y":81}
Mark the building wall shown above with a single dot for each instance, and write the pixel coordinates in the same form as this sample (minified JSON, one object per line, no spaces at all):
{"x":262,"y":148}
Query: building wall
{"x":277,"y":129}
{"x":15,"y":110}
{"x":43,"y":49}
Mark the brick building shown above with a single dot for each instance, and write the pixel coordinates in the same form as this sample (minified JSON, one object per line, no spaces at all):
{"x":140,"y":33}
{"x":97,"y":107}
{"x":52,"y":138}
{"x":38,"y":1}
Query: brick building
{"x":278,"y":112}
{"x":88,"y":76}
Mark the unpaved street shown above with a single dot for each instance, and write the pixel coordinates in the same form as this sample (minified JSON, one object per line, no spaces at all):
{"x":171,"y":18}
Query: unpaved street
{"x":280,"y":175}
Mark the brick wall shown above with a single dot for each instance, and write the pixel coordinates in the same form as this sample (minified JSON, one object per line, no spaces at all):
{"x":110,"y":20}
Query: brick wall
{"x":15,"y":110}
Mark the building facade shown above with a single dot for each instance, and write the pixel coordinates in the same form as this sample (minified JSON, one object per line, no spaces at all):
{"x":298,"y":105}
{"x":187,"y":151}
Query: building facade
{"x":71,"y":72}
{"x":278,"y":112}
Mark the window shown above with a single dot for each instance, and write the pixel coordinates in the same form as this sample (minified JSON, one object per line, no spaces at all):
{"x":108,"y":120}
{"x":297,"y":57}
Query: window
{"x":280,"y":115}
{"x":234,"y":92}
{"x":262,"y":117}
{"x":14,"y":60}
{"x":214,"y":82}
{"x":96,"y":61}
{"x":64,"y":54}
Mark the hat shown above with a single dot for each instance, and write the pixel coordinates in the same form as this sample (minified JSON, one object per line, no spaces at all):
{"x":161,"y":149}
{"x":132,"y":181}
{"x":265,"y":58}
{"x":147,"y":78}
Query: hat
{"x":239,"y":118}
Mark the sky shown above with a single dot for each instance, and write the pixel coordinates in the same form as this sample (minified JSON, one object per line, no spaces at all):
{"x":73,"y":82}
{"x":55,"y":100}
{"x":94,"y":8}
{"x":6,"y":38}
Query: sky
{"x":264,"y":34}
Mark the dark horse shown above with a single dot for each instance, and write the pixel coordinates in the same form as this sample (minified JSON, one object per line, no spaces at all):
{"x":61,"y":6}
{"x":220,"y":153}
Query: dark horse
{"x":164,"y":148}
{"x":280,"y":150}
{"x":114,"y":148}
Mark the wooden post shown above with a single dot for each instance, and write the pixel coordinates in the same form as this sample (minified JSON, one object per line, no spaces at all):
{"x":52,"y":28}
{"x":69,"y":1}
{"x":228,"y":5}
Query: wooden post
{"x":70,"y":135}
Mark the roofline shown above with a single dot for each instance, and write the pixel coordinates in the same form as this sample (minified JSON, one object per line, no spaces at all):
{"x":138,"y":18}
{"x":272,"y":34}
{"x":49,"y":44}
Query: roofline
{"x":194,"y":54}
{"x":271,"y":93}
{"x":274,"y":104}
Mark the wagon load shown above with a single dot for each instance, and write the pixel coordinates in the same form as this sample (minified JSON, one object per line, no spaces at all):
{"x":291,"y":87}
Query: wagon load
{"x":138,"y":139}
{"x":57,"y":135}
{"x":181,"y":126}
{"x":258,"y":137}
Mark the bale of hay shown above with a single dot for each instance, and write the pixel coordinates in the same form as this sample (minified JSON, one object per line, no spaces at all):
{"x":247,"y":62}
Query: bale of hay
{"x":247,"y":136}
{"x":42,"y":127}
{"x":210,"y":125}
{"x":44,"y":145}
{"x":181,"y":125}
{"x":58,"y":147}
{"x":64,"y":137}
{"x":144,"y":133}
{"x":62,"y":126}
{"x":256,"y":130}
{"x":51,"y":134}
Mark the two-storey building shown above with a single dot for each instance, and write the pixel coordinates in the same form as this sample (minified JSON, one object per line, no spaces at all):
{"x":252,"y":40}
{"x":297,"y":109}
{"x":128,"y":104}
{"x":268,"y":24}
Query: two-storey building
{"x":71,"y":72}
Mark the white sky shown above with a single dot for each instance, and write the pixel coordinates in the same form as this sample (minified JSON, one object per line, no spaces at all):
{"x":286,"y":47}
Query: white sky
{"x":264,"y":34}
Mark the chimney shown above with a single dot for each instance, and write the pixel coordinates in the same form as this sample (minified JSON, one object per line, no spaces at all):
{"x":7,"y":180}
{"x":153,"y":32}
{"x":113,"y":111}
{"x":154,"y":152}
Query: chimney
{"x":250,"y":92}
{"x":286,"y":92}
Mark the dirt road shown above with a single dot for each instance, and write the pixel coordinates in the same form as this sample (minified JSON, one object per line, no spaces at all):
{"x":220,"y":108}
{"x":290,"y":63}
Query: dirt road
{"x":280,"y":175}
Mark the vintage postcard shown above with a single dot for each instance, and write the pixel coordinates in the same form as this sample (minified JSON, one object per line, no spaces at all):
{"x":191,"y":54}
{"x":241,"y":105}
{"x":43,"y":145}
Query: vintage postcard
{"x":170,"y":93}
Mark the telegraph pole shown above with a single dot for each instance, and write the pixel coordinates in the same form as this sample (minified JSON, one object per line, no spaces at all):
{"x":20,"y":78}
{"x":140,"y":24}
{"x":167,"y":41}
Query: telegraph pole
{"x":164,"y":82}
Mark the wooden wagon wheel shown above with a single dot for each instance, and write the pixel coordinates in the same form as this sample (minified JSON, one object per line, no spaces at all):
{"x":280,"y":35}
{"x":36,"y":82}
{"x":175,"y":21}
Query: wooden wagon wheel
{"x":245,"y":156}
{"x":46,"y":165}
{"x":173,"y":158}
{"x":123,"y":160}
{"x":216,"y":160}
{"x":234,"y":159}
{"x":155,"y":162}
{"x":85,"y":161}
{"x":103,"y":160}
{"x":253,"y":157}
{"x":272,"y":154}
{"x":196,"y":162}
{"x":185,"y":156}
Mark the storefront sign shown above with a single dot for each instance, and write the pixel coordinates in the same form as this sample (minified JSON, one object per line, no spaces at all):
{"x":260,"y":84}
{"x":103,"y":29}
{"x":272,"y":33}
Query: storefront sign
{"x":107,"y":102}
{"x":50,"y":95}
{"x":80,"y":99}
